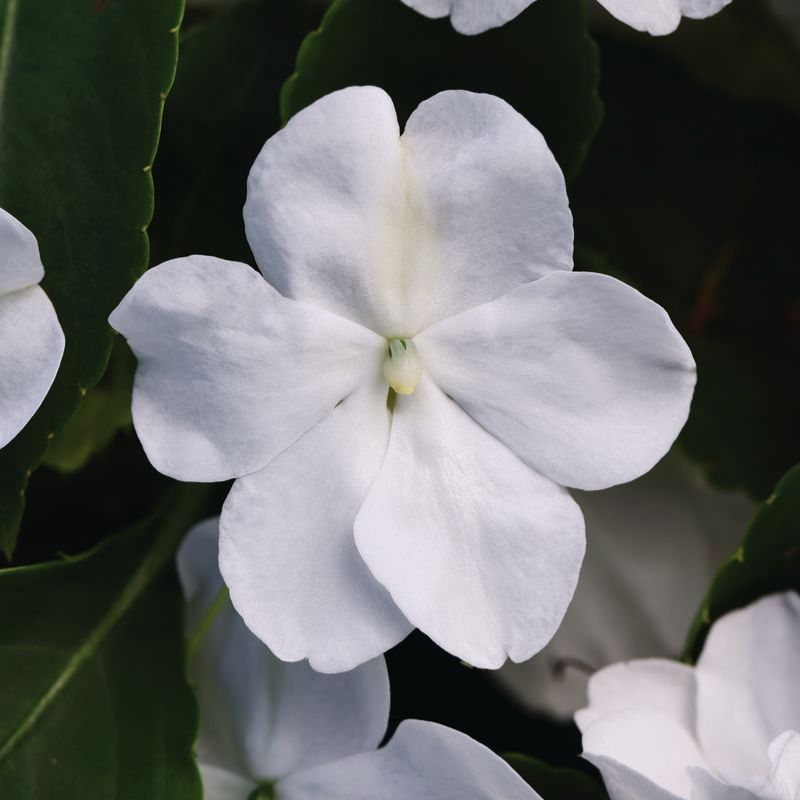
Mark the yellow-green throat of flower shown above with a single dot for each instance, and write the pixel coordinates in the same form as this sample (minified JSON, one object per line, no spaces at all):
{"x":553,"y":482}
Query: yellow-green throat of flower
{"x":401,"y":367}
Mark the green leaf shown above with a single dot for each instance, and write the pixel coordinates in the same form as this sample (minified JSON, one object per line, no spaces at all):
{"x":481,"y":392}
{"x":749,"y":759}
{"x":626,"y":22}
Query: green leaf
{"x":82,"y":87}
{"x":768,"y":561}
{"x":556,"y":783}
{"x":543,"y":63}
{"x":94,"y":701}
{"x":222,"y":108}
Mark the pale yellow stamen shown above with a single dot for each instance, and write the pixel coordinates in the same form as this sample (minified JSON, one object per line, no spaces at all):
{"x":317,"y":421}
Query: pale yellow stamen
{"x":402,"y":367}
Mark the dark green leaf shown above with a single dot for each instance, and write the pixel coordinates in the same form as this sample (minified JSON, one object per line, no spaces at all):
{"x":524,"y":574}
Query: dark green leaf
{"x":543,"y":63}
{"x":82,"y":86}
{"x":94,"y":700}
{"x":768,"y":561}
{"x":222,"y":109}
{"x":556,"y":783}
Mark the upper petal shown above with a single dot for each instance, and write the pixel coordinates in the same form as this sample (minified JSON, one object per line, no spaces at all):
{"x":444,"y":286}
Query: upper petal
{"x":343,"y":213}
{"x":261,"y":718}
{"x":422,"y":760}
{"x":230,"y":373}
{"x":747,"y":684}
{"x":287,"y":549}
{"x":21,"y":264}
{"x":580,"y":375}
{"x":478,"y":551}
{"x":31,"y":346}
{"x":660,"y":17}
{"x":471,"y":16}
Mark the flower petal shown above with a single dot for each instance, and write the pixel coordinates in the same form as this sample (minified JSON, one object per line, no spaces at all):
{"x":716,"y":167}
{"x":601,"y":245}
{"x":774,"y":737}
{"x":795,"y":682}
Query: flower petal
{"x":287,"y":549}
{"x":660,"y":540}
{"x":261,"y":718}
{"x":22,"y":264}
{"x":471,"y":16}
{"x":631,"y":745}
{"x":231,"y":373}
{"x":478,"y":551}
{"x":218,"y":784}
{"x":422,"y":760}
{"x":580,"y":375}
{"x":784,"y":758}
{"x":747,"y":685}
{"x":660,"y":17}
{"x":31,"y":346}
{"x":344,"y":214}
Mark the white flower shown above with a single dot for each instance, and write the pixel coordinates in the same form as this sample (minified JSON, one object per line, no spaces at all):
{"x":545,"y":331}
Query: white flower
{"x":728,"y":729}
{"x":31,"y":340}
{"x":441,"y":257}
{"x":658,"y":17}
{"x":653,"y":547}
{"x":307,"y":735}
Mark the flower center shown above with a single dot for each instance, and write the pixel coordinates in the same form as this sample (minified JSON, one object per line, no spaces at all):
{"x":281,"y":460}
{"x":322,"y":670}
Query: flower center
{"x":401,"y":367}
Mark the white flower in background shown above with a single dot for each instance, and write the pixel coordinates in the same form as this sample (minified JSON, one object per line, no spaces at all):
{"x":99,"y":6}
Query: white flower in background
{"x":653,"y":547}
{"x":658,"y":17}
{"x":439,"y":263}
{"x":31,"y":340}
{"x":727,"y":729}
{"x":302,"y":735}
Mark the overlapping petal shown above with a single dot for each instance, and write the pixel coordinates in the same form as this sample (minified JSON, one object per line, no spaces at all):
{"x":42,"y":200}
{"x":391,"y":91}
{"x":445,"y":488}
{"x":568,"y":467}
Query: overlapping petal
{"x":580,"y":375}
{"x":344,"y":213}
{"x":262,"y":718}
{"x":31,"y":339}
{"x":479,"y":552}
{"x":230,"y":373}
{"x":287,"y":549}
{"x":422,"y":760}
{"x":471,"y":16}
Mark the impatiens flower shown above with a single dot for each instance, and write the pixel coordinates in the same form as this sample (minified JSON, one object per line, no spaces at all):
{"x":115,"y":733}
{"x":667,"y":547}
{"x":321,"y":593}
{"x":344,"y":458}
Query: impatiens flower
{"x":658,"y":17}
{"x":659,"y":540}
{"x":405,"y":396}
{"x":728,"y":729}
{"x":31,"y":340}
{"x":299,"y":735}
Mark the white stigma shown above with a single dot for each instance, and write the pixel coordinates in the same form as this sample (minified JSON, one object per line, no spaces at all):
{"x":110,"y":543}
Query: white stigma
{"x":402,"y":367}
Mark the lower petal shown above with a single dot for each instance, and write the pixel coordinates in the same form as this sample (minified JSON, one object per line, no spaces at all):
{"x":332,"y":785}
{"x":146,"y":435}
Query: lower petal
{"x":287,"y":550}
{"x":31,"y":346}
{"x":477,"y":550}
{"x":422,"y":760}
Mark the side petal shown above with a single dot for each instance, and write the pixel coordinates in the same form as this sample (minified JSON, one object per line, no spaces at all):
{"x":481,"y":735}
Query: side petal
{"x":706,"y":786}
{"x":471,"y":16}
{"x":747,"y":684}
{"x":581,"y":376}
{"x":21,"y":263}
{"x":31,"y":347}
{"x":422,"y":760}
{"x":218,"y":784}
{"x":635,"y":749}
{"x":660,"y":17}
{"x":261,"y":718}
{"x":230,"y":373}
{"x":477,"y":550}
{"x":287,"y":549}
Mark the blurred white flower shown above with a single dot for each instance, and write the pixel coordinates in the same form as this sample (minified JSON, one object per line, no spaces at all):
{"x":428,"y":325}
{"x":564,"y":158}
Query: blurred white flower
{"x":31,"y":340}
{"x":301,"y":735}
{"x":439,"y":263}
{"x":658,"y":17}
{"x":653,"y":547}
{"x":727,"y":729}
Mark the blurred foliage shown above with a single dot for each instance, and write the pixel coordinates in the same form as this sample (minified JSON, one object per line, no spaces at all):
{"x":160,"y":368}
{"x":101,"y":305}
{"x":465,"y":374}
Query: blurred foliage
{"x":556,"y":783}
{"x":93,"y":648}
{"x":768,"y":561}
{"x":82,"y":87}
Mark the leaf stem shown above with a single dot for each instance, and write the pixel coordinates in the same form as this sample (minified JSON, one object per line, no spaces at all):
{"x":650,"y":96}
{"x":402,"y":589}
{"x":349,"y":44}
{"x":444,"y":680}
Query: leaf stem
{"x":196,"y":639}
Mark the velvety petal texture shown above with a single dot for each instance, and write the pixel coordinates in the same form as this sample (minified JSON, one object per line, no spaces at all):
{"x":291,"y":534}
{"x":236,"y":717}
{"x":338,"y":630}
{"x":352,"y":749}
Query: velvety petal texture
{"x":261,"y":718}
{"x":230,"y":373}
{"x":478,"y":551}
{"x":31,"y":339}
{"x":584,"y":378}
{"x":287,"y":548}
{"x":701,"y":733}
{"x":422,"y":760}
{"x":344,"y":213}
